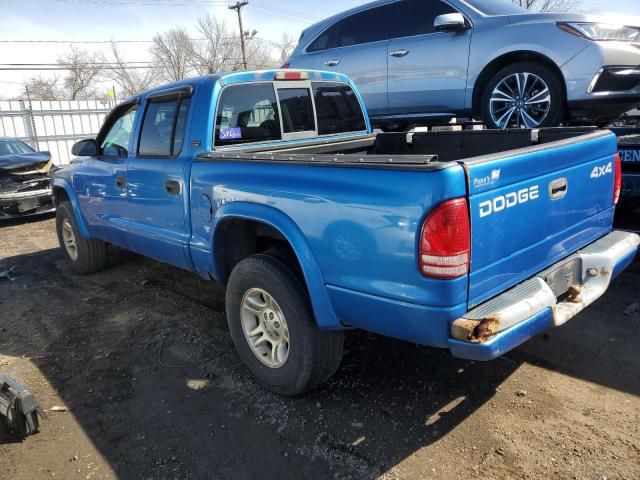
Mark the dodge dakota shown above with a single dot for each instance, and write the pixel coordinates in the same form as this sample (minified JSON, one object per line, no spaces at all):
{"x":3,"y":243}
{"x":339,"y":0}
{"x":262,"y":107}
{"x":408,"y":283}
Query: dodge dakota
{"x":274,"y":184}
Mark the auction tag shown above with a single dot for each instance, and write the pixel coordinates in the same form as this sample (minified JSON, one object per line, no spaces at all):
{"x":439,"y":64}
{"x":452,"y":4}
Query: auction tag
{"x":230,"y":133}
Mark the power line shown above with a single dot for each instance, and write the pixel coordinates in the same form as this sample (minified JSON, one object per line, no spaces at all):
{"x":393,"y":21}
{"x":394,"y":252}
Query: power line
{"x":76,"y":41}
{"x":262,"y":39}
{"x":273,"y":11}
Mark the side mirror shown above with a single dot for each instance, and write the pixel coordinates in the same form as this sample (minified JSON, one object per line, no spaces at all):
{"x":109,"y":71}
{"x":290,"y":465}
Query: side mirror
{"x":450,"y":22}
{"x":85,"y":148}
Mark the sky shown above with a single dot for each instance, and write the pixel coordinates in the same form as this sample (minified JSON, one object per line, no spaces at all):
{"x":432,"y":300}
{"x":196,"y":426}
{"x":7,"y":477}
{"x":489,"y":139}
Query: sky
{"x":104,"y":20}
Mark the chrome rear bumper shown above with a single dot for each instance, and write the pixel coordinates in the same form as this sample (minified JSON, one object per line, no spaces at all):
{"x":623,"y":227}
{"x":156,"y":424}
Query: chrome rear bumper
{"x":512,"y":317}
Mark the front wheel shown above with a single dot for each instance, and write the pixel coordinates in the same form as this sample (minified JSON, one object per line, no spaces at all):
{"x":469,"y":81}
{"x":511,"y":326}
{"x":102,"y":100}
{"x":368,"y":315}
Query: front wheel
{"x":273,"y":328}
{"x":523,"y":95}
{"x":87,"y":255}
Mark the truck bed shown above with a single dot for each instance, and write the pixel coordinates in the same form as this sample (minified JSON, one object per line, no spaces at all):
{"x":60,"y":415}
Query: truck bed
{"x":413,"y":150}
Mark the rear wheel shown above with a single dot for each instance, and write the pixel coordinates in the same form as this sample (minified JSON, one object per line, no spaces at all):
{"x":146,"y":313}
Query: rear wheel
{"x":273,"y":328}
{"x":86,"y":255}
{"x":523,"y":95}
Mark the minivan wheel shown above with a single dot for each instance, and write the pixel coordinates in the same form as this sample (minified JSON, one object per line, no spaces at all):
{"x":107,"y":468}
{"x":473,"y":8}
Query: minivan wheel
{"x":523,"y":95}
{"x":273,"y":328}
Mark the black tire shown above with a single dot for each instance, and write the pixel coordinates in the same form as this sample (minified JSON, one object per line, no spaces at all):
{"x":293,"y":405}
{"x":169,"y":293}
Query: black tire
{"x":314,"y":354}
{"x":557,"y":110}
{"x":91,"y":253}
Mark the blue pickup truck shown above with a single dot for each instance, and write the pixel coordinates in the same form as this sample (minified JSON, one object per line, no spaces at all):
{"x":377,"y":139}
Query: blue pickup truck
{"x":274,"y":184}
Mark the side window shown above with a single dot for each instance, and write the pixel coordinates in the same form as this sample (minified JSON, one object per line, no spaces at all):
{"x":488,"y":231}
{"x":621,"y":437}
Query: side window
{"x":337,"y":108}
{"x":116,"y":141}
{"x":247,"y":113}
{"x":297,"y":110}
{"x":364,"y":27}
{"x":416,"y":17}
{"x":163,"y":125}
{"x":328,"y":39}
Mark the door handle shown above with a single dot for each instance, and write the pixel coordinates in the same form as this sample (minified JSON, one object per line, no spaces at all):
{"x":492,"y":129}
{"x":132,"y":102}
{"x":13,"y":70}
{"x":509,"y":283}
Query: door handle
{"x":172,"y":187}
{"x":399,"y":53}
{"x":332,"y":63}
{"x":120,"y":181}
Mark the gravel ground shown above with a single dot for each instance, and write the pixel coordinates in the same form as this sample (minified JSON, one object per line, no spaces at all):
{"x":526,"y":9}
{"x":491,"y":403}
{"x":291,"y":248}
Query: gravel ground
{"x":140,"y":356}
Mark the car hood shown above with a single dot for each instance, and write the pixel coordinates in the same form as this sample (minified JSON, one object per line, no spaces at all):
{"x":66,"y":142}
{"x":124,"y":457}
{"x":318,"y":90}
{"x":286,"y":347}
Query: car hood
{"x":24,"y":161}
{"x":574,"y":17}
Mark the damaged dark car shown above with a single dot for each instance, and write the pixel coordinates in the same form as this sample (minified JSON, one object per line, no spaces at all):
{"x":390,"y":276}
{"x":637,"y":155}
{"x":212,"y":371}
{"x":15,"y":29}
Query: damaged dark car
{"x":25,"y":180}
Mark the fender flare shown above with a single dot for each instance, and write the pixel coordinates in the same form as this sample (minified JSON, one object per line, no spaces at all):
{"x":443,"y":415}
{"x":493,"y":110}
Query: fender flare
{"x":321,"y":304}
{"x":64,"y":184}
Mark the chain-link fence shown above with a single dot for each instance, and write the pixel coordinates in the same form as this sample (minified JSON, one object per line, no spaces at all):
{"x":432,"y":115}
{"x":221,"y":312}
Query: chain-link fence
{"x":52,"y":126}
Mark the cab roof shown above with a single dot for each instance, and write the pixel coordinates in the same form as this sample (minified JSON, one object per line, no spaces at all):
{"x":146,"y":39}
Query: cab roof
{"x":229,"y":78}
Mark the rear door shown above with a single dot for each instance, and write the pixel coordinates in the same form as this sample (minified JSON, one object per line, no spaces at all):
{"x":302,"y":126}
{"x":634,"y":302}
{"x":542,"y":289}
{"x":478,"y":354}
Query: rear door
{"x":357,"y":47}
{"x":427,"y":68}
{"x":532,"y":207}
{"x":157,"y":214}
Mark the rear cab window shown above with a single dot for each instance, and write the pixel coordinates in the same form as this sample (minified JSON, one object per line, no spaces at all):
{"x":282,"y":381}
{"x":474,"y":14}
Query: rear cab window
{"x":246,"y":114}
{"x":285,"y":110}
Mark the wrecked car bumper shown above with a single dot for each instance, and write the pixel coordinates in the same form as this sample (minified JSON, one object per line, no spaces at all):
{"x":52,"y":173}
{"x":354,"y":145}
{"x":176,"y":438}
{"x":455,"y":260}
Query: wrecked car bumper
{"x":21,"y":204}
{"x":549,"y":299}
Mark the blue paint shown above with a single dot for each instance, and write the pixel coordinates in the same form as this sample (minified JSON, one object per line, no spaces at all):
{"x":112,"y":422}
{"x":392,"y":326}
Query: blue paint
{"x":355,"y":231}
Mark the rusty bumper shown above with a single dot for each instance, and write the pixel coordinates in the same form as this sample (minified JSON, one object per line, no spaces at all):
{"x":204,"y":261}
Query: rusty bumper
{"x":511,"y":318}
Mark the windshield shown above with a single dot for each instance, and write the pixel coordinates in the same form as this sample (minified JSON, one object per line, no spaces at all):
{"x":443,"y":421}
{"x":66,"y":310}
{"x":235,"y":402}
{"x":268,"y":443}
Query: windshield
{"x":495,"y":7}
{"x":13,"y":147}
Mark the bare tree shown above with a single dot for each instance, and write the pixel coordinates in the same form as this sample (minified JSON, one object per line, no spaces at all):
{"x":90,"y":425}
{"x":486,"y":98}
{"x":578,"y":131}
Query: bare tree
{"x":83,"y":70}
{"x":286,"y":46}
{"x":547,"y":5}
{"x":259,"y":55}
{"x":216,"y":51}
{"x":41,"y":88}
{"x":130,"y":80}
{"x":172,"y":51}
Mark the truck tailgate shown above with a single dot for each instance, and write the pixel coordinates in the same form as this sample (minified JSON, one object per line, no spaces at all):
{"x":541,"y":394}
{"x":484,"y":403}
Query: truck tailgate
{"x":531,"y":207}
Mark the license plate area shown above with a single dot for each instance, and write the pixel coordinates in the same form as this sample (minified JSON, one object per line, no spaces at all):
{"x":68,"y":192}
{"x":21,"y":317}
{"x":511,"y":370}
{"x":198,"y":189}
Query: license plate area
{"x":563,"y":276}
{"x":28,"y":204}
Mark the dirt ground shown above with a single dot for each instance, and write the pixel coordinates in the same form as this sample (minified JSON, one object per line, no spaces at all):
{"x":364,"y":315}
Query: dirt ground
{"x":140,"y":356}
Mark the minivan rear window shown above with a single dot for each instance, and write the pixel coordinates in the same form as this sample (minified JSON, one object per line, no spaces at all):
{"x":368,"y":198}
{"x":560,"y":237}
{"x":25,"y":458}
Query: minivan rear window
{"x":337,"y":108}
{"x":363,"y":27}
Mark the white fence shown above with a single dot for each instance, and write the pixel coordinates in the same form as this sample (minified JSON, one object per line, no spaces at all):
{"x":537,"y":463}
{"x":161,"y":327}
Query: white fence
{"x":52,"y":125}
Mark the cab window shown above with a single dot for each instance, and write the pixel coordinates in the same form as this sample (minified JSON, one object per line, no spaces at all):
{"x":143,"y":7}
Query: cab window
{"x":337,"y":108}
{"x":116,"y":141}
{"x":163,"y":126}
{"x":247,"y":113}
{"x":297,"y":110}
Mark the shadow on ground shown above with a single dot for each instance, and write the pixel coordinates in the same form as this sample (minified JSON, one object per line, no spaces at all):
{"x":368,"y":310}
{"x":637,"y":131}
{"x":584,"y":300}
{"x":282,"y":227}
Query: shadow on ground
{"x":141,"y":355}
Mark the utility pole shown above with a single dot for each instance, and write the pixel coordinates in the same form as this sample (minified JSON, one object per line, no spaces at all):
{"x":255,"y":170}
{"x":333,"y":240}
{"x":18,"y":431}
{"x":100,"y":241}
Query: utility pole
{"x":238,"y":6}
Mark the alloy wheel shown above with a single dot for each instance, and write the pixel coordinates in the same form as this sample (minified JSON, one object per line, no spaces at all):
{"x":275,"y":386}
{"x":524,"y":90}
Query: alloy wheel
{"x":520,"y":100}
{"x":265,"y":327}
{"x":69,"y":239}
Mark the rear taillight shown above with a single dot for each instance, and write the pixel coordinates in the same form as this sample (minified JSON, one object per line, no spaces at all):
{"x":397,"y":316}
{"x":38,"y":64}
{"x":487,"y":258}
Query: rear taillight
{"x":285,"y":65}
{"x":445,"y":242}
{"x":617,"y":185}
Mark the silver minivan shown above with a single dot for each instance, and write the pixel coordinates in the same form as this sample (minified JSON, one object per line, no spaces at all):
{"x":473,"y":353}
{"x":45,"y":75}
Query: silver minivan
{"x":421,"y":60}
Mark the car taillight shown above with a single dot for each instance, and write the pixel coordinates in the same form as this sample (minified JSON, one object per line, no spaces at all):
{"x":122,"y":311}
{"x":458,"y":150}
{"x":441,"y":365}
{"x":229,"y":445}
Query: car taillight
{"x":285,"y":65}
{"x":617,"y":185}
{"x":445,"y":241}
